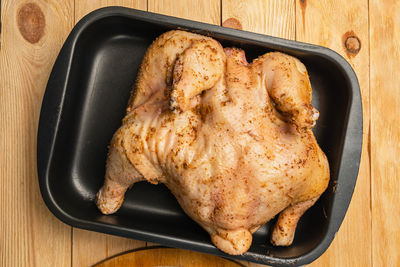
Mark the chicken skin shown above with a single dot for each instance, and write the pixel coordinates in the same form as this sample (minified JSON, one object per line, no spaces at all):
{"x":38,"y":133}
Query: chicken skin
{"x":231,"y":140}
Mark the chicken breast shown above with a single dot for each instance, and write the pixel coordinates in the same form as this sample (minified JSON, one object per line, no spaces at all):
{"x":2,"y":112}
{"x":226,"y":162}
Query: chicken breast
{"x":231,"y":140}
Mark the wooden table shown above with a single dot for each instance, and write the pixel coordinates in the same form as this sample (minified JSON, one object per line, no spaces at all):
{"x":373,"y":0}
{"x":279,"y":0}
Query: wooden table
{"x":365,"y":32}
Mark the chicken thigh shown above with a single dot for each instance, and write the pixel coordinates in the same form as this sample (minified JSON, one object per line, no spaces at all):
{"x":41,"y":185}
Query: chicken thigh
{"x":231,"y":140}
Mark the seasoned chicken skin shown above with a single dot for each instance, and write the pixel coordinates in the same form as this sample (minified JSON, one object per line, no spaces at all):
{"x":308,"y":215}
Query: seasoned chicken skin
{"x":231,"y":140}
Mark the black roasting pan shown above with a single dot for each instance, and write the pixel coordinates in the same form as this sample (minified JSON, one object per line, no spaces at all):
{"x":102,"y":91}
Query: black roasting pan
{"x":84,"y":103}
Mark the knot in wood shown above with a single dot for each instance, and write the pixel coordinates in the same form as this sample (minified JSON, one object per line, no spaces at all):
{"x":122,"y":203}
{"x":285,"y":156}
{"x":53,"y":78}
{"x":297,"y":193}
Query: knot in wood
{"x":232,"y":23}
{"x":352,"y":44}
{"x":31,"y":22}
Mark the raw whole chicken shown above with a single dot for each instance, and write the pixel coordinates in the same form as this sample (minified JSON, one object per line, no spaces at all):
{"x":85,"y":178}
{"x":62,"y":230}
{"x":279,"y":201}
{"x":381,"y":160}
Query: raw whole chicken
{"x":231,"y":140}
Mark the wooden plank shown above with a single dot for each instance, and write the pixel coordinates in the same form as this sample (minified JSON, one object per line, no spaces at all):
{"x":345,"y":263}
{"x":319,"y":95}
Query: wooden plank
{"x":31,"y":36}
{"x":200,"y":10}
{"x":84,"y":7}
{"x":385,"y":131}
{"x":91,"y":247}
{"x":275,"y":18}
{"x":208,"y":11}
{"x":335,"y":24}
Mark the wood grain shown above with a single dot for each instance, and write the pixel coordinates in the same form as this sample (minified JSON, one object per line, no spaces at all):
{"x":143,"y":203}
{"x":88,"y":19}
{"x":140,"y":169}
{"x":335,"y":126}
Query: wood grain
{"x":208,"y":11}
{"x":370,"y":235}
{"x":30,"y":234}
{"x":84,"y":7}
{"x":330,"y":23}
{"x":91,"y":247}
{"x":385,"y":131}
{"x":275,"y":18}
